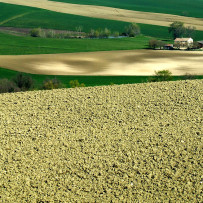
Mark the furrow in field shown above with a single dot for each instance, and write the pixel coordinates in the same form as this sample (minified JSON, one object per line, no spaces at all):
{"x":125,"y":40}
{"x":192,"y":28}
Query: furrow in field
{"x":136,"y":62}
{"x":110,"y":13}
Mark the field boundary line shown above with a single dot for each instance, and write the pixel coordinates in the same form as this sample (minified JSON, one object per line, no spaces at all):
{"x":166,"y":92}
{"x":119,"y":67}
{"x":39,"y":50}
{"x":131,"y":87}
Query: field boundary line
{"x":14,"y":17}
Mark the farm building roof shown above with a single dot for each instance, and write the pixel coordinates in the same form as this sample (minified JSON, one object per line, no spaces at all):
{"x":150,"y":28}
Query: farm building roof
{"x":182,"y":39}
{"x":201,"y":42}
{"x":169,"y":45}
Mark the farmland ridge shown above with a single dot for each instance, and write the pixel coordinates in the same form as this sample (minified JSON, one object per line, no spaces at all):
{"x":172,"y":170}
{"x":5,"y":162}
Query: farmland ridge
{"x":132,"y":143}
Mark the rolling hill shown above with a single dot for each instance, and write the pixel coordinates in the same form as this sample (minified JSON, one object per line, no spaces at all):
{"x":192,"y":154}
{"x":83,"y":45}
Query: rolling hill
{"x":122,"y":143}
{"x":177,"y":7}
{"x":56,"y":20}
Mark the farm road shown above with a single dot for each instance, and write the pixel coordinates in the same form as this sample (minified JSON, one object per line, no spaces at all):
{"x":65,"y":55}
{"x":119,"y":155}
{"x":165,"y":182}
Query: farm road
{"x":133,"y":62}
{"x":110,"y":13}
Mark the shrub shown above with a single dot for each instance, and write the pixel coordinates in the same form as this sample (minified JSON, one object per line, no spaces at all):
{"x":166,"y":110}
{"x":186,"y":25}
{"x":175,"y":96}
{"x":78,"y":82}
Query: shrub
{"x":50,"y":84}
{"x":162,"y":75}
{"x":105,"y":33}
{"x":24,"y":82}
{"x":8,"y":86}
{"x":132,"y":30}
{"x":75,"y":83}
{"x":36,"y":32}
{"x":189,"y":76}
{"x":116,"y":34}
{"x":154,"y":43}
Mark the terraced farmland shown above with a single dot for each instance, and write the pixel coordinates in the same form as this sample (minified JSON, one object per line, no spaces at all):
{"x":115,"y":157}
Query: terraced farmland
{"x":102,"y":144}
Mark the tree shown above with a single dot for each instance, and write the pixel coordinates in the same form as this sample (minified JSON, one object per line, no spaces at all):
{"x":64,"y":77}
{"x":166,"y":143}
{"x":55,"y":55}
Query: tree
{"x":79,"y":30}
{"x":105,"y":33}
{"x":190,"y":31}
{"x":75,"y":83}
{"x":177,"y":29}
{"x":162,"y":75}
{"x":8,"y":86}
{"x":35,"y":32}
{"x":116,"y":34}
{"x":50,"y":84}
{"x":132,"y":30}
{"x":24,"y":82}
{"x":154,"y":43}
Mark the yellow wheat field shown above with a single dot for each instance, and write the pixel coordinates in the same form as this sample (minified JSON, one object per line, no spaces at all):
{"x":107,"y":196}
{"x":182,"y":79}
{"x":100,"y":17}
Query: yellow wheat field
{"x":110,"y":13}
{"x":121,"y":143}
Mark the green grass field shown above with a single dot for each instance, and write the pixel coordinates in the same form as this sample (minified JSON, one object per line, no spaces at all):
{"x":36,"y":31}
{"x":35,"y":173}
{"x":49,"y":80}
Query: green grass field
{"x":15,"y":45}
{"x":26,"y":17}
{"x":179,"y":7}
{"x":87,"y":80}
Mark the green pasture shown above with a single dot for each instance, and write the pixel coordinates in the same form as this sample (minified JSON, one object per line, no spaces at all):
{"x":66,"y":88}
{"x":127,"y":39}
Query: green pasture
{"x":27,"y":17}
{"x":179,"y":7}
{"x":87,"y":80}
{"x":15,"y":45}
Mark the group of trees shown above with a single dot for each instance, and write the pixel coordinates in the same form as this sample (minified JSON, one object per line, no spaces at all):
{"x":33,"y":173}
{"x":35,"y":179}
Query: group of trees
{"x":20,"y":82}
{"x":178,"y":29}
{"x":131,"y":30}
{"x":166,"y":75}
{"x":23,"y":82}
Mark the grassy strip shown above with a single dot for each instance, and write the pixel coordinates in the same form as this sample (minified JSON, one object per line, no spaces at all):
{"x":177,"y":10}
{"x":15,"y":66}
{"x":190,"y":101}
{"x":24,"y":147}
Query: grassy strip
{"x":87,"y":80}
{"x":15,"y":45}
{"x":189,"y":8}
{"x":52,"y":20}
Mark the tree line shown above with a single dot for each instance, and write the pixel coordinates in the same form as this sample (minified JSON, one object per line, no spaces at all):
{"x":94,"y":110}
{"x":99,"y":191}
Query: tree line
{"x":23,"y":82}
{"x":131,"y":30}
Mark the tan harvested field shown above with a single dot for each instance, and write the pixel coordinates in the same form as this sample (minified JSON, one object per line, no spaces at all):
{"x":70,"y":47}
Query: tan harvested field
{"x":133,"y":62}
{"x":120,"y":143}
{"x":110,"y":13}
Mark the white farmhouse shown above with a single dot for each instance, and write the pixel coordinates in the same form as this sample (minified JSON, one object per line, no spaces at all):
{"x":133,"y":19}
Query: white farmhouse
{"x":183,"y":42}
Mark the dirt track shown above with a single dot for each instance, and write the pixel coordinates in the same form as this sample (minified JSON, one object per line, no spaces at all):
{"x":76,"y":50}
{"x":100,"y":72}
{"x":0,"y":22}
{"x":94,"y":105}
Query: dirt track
{"x":110,"y":13}
{"x":138,"y":62}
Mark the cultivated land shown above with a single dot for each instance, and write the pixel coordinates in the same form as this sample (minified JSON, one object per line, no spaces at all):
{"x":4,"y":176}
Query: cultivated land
{"x":110,"y":13}
{"x":132,"y":62}
{"x":177,"y":7}
{"x":15,"y":45}
{"x":101,"y":144}
{"x":28,"y":17}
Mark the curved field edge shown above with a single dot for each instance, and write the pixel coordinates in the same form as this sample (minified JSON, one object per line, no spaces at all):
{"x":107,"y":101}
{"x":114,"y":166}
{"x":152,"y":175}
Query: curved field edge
{"x":87,"y":80}
{"x":27,"y":17}
{"x":113,"y":143}
{"x":158,"y":6}
{"x":120,"y":62}
{"x":111,"y":13}
{"x":18,"y":45}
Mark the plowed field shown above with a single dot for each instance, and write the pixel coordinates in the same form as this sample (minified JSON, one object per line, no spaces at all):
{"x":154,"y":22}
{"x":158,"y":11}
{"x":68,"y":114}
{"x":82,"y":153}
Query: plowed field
{"x":127,"y":143}
{"x":137,"y":62}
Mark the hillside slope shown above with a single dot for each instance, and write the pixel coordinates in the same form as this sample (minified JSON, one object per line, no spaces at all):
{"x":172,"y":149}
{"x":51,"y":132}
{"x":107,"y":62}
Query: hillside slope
{"x":177,"y":7}
{"x":110,"y":13}
{"x":102,"y":144}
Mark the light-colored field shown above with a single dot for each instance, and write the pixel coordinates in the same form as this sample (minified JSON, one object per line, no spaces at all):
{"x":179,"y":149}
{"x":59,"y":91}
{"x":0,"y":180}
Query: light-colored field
{"x":138,"y":62}
{"x":122,"y":143}
{"x":110,"y":13}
